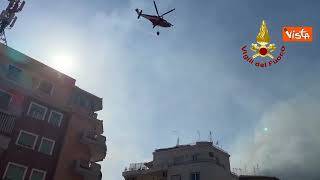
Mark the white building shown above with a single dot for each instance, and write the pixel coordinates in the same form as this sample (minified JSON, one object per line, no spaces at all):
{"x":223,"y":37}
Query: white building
{"x":201,"y":161}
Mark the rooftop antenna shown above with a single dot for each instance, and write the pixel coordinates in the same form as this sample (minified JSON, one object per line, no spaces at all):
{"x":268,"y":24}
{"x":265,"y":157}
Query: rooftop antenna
{"x":210,"y":137}
{"x":257,"y":169}
{"x":198,"y":132}
{"x":8,"y":17}
{"x":178,"y":141}
{"x":178,"y":138}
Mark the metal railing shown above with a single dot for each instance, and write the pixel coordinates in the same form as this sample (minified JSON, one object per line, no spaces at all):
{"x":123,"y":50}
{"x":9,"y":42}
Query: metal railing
{"x":89,"y":170}
{"x":136,"y":167}
{"x":141,"y":166}
{"x":88,"y":165}
{"x":7,"y":123}
{"x":96,"y":144}
{"x":92,"y":137}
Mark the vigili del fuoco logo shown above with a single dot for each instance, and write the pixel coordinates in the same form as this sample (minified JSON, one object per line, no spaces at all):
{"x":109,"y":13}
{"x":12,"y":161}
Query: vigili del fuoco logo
{"x":263,"y":50}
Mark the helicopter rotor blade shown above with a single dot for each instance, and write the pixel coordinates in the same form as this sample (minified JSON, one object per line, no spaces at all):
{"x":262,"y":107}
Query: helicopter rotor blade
{"x":168,"y":12}
{"x":155,"y":6}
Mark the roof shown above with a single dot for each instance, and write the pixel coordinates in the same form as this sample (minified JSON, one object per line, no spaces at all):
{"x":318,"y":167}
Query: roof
{"x":28,"y":63}
{"x":247,"y":177}
{"x":171,"y":148}
{"x":202,"y":143}
{"x":31,"y":65}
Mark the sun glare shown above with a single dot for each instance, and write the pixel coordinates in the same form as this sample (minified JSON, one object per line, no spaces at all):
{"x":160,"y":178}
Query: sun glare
{"x":63,"y":62}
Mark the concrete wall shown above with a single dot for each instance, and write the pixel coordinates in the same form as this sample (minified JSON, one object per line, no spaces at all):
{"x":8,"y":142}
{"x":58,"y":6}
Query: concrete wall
{"x":208,"y":171}
{"x":73,"y":149}
{"x":34,"y":72}
{"x":209,"y":161}
{"x":189,"y":153}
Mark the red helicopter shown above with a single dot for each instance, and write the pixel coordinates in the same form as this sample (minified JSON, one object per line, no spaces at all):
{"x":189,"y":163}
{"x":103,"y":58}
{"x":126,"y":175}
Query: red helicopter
{"x":156,"y":20}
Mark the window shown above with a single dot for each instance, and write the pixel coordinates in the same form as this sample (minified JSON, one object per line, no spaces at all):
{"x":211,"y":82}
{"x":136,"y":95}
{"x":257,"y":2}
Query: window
{"x":82,"y":101}
{"x":37,"y":111}
{"x":15,"y":172}
{"x":46,"y":146}
{"x":211,"y":154}
{"x":27,"y":139}
{"x":176,"y":177}
{"x":55,"y":118}
{"x":218,"y":161}
{"x":37,"y":174}
{"x":195,"y":157}
{"x":164,"y":174}
{"x":14,"y":73}
{"x":5,"y":99}
{"x":46,"y":87}
{"x":195,"y":176}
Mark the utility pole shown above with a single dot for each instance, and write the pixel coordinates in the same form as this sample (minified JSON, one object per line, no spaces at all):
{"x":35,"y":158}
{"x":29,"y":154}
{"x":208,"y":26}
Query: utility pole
{"x":8,"y":17}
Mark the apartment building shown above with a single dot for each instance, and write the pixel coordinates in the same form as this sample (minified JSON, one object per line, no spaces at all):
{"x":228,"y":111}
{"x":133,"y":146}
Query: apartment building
{"x":202,"y":160}
{"x":48,"y":126}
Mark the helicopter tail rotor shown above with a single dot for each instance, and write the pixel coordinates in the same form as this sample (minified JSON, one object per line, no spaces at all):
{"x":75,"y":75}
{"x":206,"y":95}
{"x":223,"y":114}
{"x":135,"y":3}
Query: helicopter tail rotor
{"x":139,"y":12}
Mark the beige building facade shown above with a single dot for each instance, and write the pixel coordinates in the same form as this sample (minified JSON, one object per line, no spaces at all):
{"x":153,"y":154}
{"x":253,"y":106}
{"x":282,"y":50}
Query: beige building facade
{"x":200,"y":161}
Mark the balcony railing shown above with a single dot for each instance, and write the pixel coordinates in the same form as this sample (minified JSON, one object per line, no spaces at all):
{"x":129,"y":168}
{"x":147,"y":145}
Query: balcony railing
{"x":98,"y":123}
{"x":140,"y":168}
{"x":89,"y":170}
{"x":7,"y":123}
{"x":136,"y":167}
{"x":97,"y":145}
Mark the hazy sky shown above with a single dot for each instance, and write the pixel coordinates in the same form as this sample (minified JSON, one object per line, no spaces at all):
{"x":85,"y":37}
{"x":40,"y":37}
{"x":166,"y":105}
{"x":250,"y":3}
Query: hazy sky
{"x":190,"y":78}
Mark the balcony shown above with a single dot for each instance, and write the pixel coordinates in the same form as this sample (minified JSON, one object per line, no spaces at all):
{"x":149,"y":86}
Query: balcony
{"x":136,"y":169}
{"x":97,"y":123}
{"x":89,"y":170}
{"x":97,"y":145}
{"x":7,"y":123}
